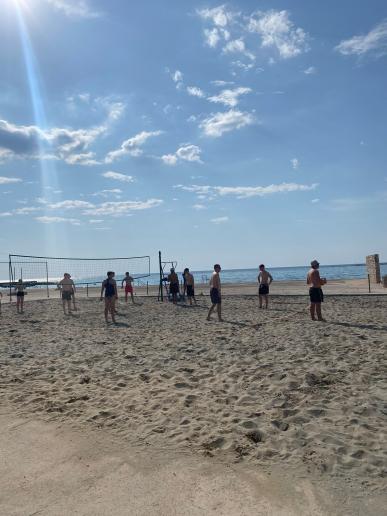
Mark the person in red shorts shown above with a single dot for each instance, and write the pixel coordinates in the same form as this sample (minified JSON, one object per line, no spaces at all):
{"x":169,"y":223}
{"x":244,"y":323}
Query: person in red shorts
{"x":128,"y":280}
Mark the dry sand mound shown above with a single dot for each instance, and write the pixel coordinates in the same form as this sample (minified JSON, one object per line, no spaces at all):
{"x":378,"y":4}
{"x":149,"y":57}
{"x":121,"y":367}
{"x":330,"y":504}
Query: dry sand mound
{"x":267,"y":387}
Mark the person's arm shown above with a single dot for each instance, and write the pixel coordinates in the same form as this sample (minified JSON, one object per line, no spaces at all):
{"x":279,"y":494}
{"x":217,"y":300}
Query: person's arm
{"x":131,"y":279}
{"x":102,"y":288}
{"x":115,"y":290}
{"x":270,"y":279}
{"x":308,"y":279}
{"x":74,"y":289}
{"x":259,"y":278}
{"x":122,"y":283}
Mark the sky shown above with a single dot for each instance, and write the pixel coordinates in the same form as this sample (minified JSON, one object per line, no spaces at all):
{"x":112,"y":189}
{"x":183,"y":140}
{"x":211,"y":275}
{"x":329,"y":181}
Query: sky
{"x":238,"y":133}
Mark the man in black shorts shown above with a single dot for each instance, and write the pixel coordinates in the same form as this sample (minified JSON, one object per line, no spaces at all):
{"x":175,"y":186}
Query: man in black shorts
{"x":264,"y":279}
{"x":215,"y":293}
{"x":316,"y":294}
{"x":190,"y":286}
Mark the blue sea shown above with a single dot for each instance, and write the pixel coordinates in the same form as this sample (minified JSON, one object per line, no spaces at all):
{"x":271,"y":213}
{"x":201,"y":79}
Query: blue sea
{"x":346,"y":271}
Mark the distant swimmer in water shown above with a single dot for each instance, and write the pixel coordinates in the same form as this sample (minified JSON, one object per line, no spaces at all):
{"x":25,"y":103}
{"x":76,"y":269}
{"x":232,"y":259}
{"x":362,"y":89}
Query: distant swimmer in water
{"x":109,"y":286}
{"x":173,"y":285}
{"x":128,"y":280}
{"x":20,"y":292}
{"x":315,"y":291}
{"x":67,"y":288}
{"x":215,"y":293}
{"x":189,"y":286}
{"x":264,"y":280}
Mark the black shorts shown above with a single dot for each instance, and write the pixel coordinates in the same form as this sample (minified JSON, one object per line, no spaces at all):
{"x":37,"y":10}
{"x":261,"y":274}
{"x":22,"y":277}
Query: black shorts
{"x":215,"y":296}
{"x":174,"y":288}
{"x":316,"y":295}
{"x":66,"y":295}
{"x":263,"y":289}
{"x":20,"y":294}
{"x":190,"y":291}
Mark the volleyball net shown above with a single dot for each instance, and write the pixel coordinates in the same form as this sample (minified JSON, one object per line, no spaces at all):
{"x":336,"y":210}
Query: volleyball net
{"x":44,"y":271}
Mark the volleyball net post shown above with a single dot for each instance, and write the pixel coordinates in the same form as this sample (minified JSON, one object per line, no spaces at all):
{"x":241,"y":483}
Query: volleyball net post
{"x":163,"y":279}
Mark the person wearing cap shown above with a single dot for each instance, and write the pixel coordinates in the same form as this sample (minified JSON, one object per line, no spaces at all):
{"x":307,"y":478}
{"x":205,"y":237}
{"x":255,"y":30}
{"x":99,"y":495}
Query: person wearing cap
{"x":67,"y":288}
{"x":264,"y":280}
{"x":316,"y":295}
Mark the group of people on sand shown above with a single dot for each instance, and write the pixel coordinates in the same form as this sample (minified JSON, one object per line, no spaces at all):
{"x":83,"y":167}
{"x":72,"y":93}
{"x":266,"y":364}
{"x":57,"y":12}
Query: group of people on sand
{"x":110,"y":294}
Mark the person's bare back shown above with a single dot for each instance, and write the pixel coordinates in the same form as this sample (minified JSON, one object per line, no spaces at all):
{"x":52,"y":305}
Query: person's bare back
{"x":313,"y":278}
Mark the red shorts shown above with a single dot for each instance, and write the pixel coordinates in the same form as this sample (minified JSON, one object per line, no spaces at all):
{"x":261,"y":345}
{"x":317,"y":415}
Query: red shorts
{"x":128,"y":289}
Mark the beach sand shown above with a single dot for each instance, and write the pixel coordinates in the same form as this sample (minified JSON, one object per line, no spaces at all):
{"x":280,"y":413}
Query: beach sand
{"x":265,"y":390}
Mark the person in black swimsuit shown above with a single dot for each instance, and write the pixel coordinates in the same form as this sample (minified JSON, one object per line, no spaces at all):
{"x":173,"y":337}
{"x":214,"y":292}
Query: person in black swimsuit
{"x":109,"y":285}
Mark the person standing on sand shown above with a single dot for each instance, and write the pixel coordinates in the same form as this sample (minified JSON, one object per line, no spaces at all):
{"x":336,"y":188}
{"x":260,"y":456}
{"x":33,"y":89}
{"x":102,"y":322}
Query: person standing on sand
{"x":173,"y":285}
{"x":264,"y":279}
{"x":1,"y":297}
{"x":215,"y":293}
{"x":67,"y":288}
{"x":190,"y":286}
{"x":109,"y":285}
{"x":20,"y":288}
{"x":315,"y":291}
{"x":128,"y":280}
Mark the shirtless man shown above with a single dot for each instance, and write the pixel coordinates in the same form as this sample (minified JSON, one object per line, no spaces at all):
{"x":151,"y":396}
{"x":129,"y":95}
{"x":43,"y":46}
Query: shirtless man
{"x":109,"y":286}
{"x":215,"y":293}
{"x":128,"y":280}
{"x":20,"y":288}
{"x":315,"y":292}
{"x":190,"y":286}
{"x":173,"y":285}
{"x":67,"y":288}
{"x":264,"y":279}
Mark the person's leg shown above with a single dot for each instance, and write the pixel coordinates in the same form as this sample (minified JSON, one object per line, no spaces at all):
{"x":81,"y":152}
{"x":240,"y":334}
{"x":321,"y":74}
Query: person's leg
{"x":21,"y":304}
{"x":69,"y":305}
{"x":18,"y":303}
{"x":266,"y":301}
{"x":219,"y":309}
{"x":319,"y":314}
{"x":107,"y":308}
{"x":210,"y":311}
{"x":132,"y":297}
{"x":260,"y":301}
{"x":313,"y":311}
{"x":64,"y":305}
{"x":113,"y":310}
{"x":126,"y":296}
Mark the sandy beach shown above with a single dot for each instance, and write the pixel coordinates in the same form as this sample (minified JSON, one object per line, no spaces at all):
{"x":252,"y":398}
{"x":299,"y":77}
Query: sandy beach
{"x":265,"y":390}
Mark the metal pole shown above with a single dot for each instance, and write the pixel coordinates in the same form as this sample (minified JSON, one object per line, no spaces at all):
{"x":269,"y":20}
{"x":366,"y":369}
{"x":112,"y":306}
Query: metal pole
{"x":369,"y":284}
{"x":10,"y":279}
{"x":161,"y":295}
{"x":87,"y":290}
{"x":48,"y":292}
{"x":147,"y":290}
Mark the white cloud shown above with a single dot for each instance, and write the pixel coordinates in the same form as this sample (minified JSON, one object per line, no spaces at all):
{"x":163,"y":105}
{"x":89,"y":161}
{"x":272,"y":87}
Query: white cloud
{"x":218,"y":16}
{"x":123,"y":207}
{"x":212,"y":37}
{"x":312,"y":70}
{"x":219,"y":123}
{"x":194,"y":91}
{"x":295,"y":163}
{"x":26,"y":210}
{"x":244,"y":192}
{"x":219,"y":220}
{"x":106,"y":193}
{"x":238,"y":46}
{"x":315,"y":201}
{"x":374,"y":42}
{"x":9,"y":180}
{"x":244,"y":66}
{"x":177,"y":76}
{"x":6,"y":214}
{"x":74,"y":8}
{"x":53,"y":220}
{"x":199,"y":207}
{"x":117,"y":176}
{"x":230,"y":97}
{"x":95,"y":221}
{"x":70,"y":205}
{"x":277,"y":31}
{"x":131,"y":146}
{"x":222,"y":83}
{"x":186,"y":152}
